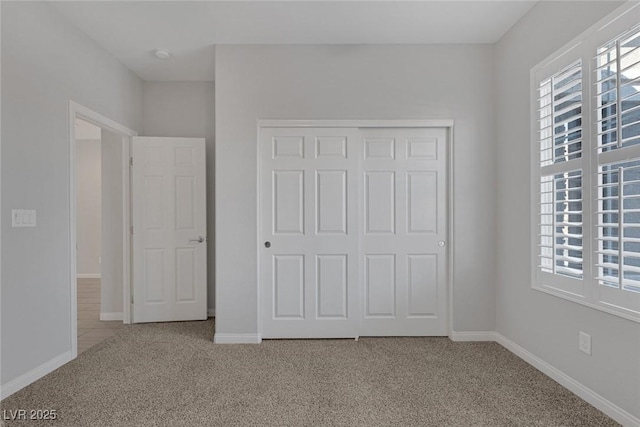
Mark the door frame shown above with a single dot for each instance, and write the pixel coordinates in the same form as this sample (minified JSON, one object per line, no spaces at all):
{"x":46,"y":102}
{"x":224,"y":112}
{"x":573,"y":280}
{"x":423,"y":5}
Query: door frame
{"x":77,"y":111}
{"x":447,"y":124}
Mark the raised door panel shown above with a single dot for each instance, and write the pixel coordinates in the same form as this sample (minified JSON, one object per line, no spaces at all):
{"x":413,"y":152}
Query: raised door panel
{"x":288,"y":202}
{"x":184,"y":157}
{"x":376,"y":148}
{"x":331,"y":147}
{"x":422,"y":196}
{"x":380,"y":203}
{"x":288,"y":147}
{"x":422,"y":290}
{"x":331,"y":285}
{"x":422,"y":148}
{"x":154,"y":195}
{"x":288,"y":281}
{"x":154,"y":155}
{"x":186,"y":274}
{"x":154,"y":280}
{"x":380,"y":285}
{"x":185,"y":208}
{"x":331,"y":202}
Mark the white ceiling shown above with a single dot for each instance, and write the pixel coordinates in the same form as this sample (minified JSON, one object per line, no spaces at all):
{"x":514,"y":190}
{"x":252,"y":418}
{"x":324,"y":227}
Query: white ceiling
{"x":131,"y":30}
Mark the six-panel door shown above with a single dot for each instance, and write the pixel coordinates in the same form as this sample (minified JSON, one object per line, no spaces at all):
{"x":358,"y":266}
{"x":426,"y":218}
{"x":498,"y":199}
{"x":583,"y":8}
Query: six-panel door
{"x":169,"y":229}
{"x":404,"y":231}
{"x":353,"y":228}
{"x":309,"y":219}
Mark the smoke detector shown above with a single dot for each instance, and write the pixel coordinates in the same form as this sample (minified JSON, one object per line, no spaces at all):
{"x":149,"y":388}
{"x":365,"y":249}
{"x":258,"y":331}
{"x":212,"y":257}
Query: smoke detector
{"x":161,"y":54}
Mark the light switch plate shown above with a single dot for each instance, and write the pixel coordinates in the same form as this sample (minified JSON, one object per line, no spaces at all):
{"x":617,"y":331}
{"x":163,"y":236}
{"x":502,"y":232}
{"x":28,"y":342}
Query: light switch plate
{"x":23,"y":218}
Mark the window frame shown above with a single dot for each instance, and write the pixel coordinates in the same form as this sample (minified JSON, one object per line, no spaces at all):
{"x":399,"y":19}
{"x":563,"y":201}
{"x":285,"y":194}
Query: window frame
{"x":587,"y":290}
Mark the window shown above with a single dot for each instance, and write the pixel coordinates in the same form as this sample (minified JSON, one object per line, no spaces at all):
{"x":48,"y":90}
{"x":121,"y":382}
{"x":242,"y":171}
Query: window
{"x":560,"y":123}
{"x":586,"y":180}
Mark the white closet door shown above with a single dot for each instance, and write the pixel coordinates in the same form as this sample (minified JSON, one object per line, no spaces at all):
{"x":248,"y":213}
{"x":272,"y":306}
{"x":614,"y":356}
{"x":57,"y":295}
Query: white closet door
{"x":404,"y":232}
{"x":169,"y":229}
{"x":309,"y":223}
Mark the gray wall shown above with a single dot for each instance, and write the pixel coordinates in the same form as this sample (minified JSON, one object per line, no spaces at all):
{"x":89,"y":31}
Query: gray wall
{"x":545,"y":325}
{"x":46,"y":63}
{"x":353,"y":82}
{"x":186,"y":109}
{"x":89,"y":206}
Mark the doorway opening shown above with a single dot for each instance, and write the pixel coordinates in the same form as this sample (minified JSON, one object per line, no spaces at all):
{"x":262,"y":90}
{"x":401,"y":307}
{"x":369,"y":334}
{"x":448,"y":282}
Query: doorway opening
{"x":99,"y":308}
{"x":99,"y":227}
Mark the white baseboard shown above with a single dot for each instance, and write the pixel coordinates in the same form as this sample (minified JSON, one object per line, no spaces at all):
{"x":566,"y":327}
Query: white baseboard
{"x":604,"y":405}
{"x":35,"y":374}
{"x":211,"y":312}
{"x":473,"y":336}
{"x":111,"y":316}
{"x":236,"y":338}
{"x":88,"y":276}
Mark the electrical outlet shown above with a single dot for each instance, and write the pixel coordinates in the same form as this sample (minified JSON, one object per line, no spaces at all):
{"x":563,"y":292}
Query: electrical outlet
{"x":584,"y":343}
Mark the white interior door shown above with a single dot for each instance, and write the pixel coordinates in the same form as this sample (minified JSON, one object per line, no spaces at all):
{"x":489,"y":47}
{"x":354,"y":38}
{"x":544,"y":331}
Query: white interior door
{"x":309,"y":245}
{"x":404,"y":232}
{"x":169,"y":229}
{"x":355,"y":227}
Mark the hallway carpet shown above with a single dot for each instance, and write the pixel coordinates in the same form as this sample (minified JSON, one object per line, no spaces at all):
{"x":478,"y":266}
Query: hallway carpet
{"x":173,"y":375}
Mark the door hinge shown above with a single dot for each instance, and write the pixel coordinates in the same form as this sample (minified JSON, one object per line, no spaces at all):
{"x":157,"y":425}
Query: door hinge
{"x":130,"y":161}
{"x":131,"y":229}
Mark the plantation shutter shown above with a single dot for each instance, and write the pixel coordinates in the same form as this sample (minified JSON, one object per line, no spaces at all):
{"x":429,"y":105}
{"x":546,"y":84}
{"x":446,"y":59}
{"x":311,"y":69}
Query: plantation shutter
{"x":560,"y":207}
{"x":618,"y":92}
{"x":617,"y":111}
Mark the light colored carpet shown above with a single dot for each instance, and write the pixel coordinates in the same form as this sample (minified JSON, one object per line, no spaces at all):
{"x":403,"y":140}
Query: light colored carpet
{"x":173,"y":375}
